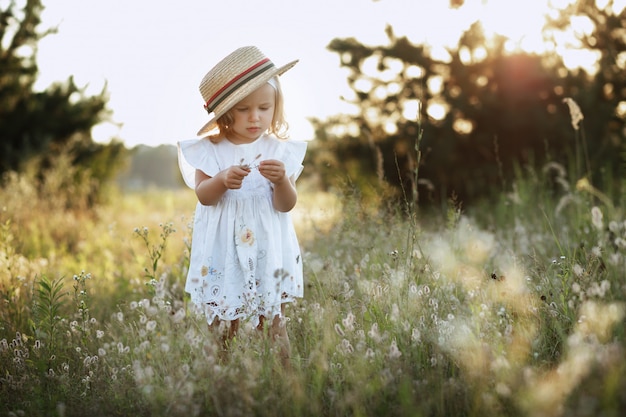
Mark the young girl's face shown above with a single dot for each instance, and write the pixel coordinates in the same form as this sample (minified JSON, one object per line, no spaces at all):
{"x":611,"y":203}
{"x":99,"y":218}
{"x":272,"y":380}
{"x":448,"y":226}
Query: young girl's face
{"x":253,"y":115}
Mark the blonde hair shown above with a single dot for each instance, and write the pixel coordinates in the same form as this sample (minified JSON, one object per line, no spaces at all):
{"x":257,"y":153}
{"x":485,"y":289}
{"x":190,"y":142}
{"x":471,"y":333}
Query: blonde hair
{"x":279,"y":126}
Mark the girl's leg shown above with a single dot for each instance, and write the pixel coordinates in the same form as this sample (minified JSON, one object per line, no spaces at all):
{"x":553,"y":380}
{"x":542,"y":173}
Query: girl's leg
{"x":279,"y":329}
{"x":226,"y":336}
{"x":278,"y":334}
{"x":233,"y":329}
{"x":215,"y":325}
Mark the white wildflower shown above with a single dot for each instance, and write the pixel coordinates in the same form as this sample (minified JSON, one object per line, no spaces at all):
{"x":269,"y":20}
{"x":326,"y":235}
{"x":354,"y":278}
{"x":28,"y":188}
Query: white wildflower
{"x":373,"y":333}
{"x":596,"y":251}
{"x":394,"y":352}
{"x":614,"y":226}
{"x":143,"y":346}
{"x":574,"y":111}
{"x":395,"y":312}
{"x":564,"y":202}
{"x":179,"y":315}
{"x":578,"y":270}
{"x":348,"y":322}
{"x":596,"y":218}
{"x":346,"y":347}
{"x":416,"y":335}
{"x":558,"y":169}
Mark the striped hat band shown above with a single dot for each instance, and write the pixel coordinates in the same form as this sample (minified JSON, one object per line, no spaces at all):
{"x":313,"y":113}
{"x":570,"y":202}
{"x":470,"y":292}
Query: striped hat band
{"x":237,"y":81}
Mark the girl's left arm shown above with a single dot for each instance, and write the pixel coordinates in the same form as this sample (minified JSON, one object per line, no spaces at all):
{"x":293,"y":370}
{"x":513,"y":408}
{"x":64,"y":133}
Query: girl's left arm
{"x":285,"y":194}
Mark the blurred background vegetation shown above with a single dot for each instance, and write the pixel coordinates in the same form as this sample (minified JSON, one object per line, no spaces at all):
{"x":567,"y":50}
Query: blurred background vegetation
{"x":498,"y":111}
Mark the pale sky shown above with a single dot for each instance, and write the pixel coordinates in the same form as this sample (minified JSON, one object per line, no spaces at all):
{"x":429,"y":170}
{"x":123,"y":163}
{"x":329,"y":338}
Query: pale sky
{"x":152,"y":55}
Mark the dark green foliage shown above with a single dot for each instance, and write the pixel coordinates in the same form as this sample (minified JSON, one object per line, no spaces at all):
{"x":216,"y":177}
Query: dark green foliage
{"x":504,"y":109}
{"x":39,"y":126}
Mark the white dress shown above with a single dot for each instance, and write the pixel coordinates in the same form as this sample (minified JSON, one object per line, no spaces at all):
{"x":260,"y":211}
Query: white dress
{"x":245,"y":257}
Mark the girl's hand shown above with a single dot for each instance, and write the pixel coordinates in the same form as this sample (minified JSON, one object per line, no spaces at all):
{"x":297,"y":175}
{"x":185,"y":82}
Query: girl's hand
{"x":233,"y":176}
{"x":273,"y":170}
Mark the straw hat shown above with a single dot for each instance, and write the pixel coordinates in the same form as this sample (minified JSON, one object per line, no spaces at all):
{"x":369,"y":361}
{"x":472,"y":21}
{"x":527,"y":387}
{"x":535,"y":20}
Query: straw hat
{"x":233,"y":79}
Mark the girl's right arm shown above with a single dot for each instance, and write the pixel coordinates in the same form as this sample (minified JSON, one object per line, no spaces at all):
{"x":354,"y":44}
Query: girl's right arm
{"x":211,"y":189}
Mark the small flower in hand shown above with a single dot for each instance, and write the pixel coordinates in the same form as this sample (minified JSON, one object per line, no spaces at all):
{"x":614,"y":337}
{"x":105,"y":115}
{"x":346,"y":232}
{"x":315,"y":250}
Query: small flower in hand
{"x":249,"y":165}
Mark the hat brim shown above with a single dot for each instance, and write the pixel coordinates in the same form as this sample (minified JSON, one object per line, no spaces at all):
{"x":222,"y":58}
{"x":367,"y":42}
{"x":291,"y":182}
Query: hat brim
{"x":242,"y":93}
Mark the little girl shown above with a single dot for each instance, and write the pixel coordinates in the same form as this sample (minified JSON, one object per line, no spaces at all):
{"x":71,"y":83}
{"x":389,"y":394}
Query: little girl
{"x":245,"y":257}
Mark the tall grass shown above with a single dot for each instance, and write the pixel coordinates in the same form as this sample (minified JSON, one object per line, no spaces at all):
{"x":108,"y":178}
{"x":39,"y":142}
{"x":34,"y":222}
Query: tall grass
{"x":512,"y":308}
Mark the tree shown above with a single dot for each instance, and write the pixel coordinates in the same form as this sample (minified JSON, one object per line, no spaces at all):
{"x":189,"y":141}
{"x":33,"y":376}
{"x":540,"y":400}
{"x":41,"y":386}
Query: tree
{"x":604,"y":99}
{"x":43,"y":125}
{"x":483,"y":112}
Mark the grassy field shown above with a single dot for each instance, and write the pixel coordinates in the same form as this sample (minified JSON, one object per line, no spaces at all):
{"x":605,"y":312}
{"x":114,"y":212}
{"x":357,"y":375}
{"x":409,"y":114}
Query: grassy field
{"x":512,"y":308}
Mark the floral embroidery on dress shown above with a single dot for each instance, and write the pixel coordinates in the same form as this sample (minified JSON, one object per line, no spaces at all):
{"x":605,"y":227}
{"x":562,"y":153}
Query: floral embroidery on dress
{"x":208,"y":269}
{"x":247,"y":237}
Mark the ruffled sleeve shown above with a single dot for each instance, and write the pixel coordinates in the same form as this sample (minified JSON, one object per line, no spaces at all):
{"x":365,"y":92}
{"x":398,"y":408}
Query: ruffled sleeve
{"x":196,"y":154}
{"x":293,"y":157}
